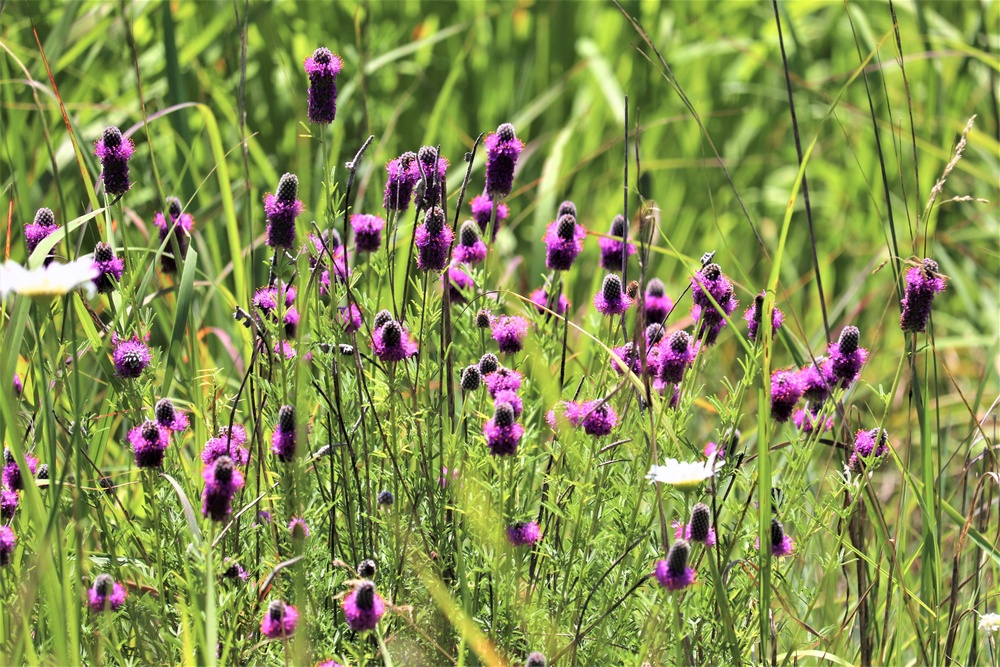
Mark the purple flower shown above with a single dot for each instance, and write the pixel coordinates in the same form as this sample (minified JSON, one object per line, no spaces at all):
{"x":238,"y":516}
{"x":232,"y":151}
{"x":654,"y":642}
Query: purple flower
{"x":8,"y":504}
{"x":613,"y":248}
{"x":482,"y":209}
{"x":599,"y":418}
{"x":628,"y":354}
{"x":807,"y":421}
{"x":233,"y":570}
{"x":460,"y":283}
{"x":710,"y":282}
{"x":279,"y":620}
{"x":523,"y":534}
{"x":658,"y":304}
{"x":130,"y":355}
{"x":673,"y":572}
{"x":106,"y":594}
{"x":149,"y":440}
{"x":502,"y":150}
{"x":488,"y":363}
{"x":391,"y":342}
{"x":870,"y":447}
{"x":500,"y":379}
{"x":320,"y":250}
{"x":713,"y":448}
{"x":180,"y":226}
{"x":433,"y":239}
{"x":283,"y":440}
{"x":676,"y":353}
{"x":42,"y":226}
{"x":330,"y":663}
{"x":786,"y":390}
{"x":509,"y":332}
{"x":168,"y":417}
{"x":109,"y":268}
{"x":221,"y":446}
{"x":18,"y":385}
{"x":266,"y":299}
{"x":540,"y":297}
{"x":323,"y":67}
{"x":114,"y":151}
{"x":508,"y":396}
{"x":753,"y":316}
{"x":298,"y":528}
{"x":281,"y":210}
{"x":222,"y":481}
{"x":423,"y":168}
{"x":363,"y":607}
{"x":502,"y":433}
{"x":563,"y":242}
{"x":817,"y":381}
{"x":922,"y":285}
{"x":470,"y":249}
{"x":536,"y":659}
{"x":781,"y":544}
{"x":399,"y":184}
{"x":12,"y":472}
{"x":367,"y":232}
{"x":570,"y":411}
{"x":846,"y":358}
{"x":350,"y":317}
{"x":611,"y":300}
{"x":698,"y":528}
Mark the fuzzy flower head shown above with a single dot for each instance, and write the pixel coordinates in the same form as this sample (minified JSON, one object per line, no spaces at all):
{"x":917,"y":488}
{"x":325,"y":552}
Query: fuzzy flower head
{"x":536,"y":659}
{"x":817,"y":381}
{"x":149,"y":440}
{"x":922,"y":284}
{"x":349,"y":317}
{"x":429,"y":170}
{"x":524,"y":533}
{"x":18,"y":385}
{"x":367,"y":232}
{"x":807,"y":421}
{"x":433,"y":239}
{"x":323,"y":67}
{"x":846,"y":357}
{"x":786,"y":390}
{"x":629,"y":359}
{"x":563,"y":242}
{"x":540,"y":297}
{"x":169,"y":417}
{"x":109,"y":268}
{"x":470,"y":249}
{"x":482,"y":210}
{"x":48,"y":281}
{"x":267,"y":299}
{"x":613,"y":248}
{"x":399,"y":182}
{"x":281,"y":209}
{"x":131,"y":356}
{"x":363,"y":607}
{"x":611,"y":300}
{"x":298,"y":528}
{"x":677,"y":353}
{"x":283,"y":441}
{"x":500,"y":379}
{"x":870,"y":449}
{"x":698,"y":528}
{"x":226,"y":444}
{"x":7,"y":542}
{"x":279,"y":620}
{"x":459,"y":283}
{"x":658,"y":304}
{"x":502,"y":433}
{"x":502,"y":150}
{"x":391,"y":342}
{"x":509,"y":332}
{"x":178,"y":224}
{"x":222,"y":481}
{"x":753,"y":316}
{"x":9,"y":501}
{"x":41,"y":227}
{"x":710,"y":284}
{"x":673,"y":572}
{"x":508,"y":396}
{"x":12,"y":480}
{"x":231,"y":569}
{"x":106,"y":594}
{"x":685,"y":476}
{"x":781,"y":543}
{"x":569,"y":412}
{"x":599,"y":418}
{"x":114,"y":151}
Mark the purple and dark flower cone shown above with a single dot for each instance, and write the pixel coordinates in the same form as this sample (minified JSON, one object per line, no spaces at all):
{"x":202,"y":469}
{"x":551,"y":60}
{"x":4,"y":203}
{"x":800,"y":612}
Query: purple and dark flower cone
{"x":509,"y":332}
{"x":923,"y":283}
{"x":676,"y":354}
{"x":399,"y":183}
{"x":786,"y":390}
{"x":281,"y":210}
{"x":106,"y":594}
{"x":392,"y":342}
{"x":470,"y":249}
{"x":673,"y":572}
{"x":698,"y":528}
{"x":846,"y":357}
{"x":363,"y":607}
{"x":524,"y":533}
{"x":753,"y":316}
{"x":350,"y":318}
{"x":149,"y":440}
{"x":613,"y":247}
{"x":284,"y":439}
{"x":482,"y":209}
{"x":367,"y":232}
{"x":433,"y":238}
{"x":279,"y":620}
{"x":658,"y":305}
{"x":114,"y":151}
{"x":502,"y":433}
{"x":500,"y":378}
{"x":109,"y":268}
{"x":131,"y":356}
{"x":781,"y":542}
{"x":36,"y":231}
{"x":222,"y":481}
{"x":611,"y":300}
{"x":430,"y":169}
{"x":502,"y":150}
{"x":870,"y":449}
{"x":323,"y":67}
{"x":12,"y":480}
{"x":599,"y":418}
{"x":177,"y":223}
{"x":563,"y":242}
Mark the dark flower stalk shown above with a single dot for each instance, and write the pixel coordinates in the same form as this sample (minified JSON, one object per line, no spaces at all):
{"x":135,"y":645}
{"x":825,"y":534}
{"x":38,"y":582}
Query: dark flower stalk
{"x":923,"y":283}
{"x":282,"y":209}
{"x":502,"y":150}
{"x":114,"y":151}
{"x":323,"y":67}
{"x":36,"y":231}
{"x":179,"y":225}
{"x":109,"y":268}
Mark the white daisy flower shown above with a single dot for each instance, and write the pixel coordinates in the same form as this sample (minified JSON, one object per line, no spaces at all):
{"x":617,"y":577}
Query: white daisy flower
{"x":50,"y":281}
{"x":990,"y":623}
{"x":684,"y":475}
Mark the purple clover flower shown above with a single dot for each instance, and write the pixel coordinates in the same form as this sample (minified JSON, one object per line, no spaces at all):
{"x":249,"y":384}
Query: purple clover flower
{"x":673,"y":572}
{"x":109,"y":268}
{"x":323,"y":67}
{"x":8,"y":504}
{"x":611,"y":300}
{"x":130,"y":355}
{"x":630,"y":356}
{"x":222,"y":481}
{"x":502,"y":150}
{"x":753,"y":316}
{"x":846,"y":358}
{"x":524,"y":534}
{"x":180,"y":225}
{"x":106,"y":594}
{"x":281,"y":210}
{"x":570,"y":411}
{"x":169,"y":417}
{"x":279,"y":620}
{"x":266,"y":299}
{"x":708,"y":282}
{"x":350,"y":318}
{"x":781,"y":543}
{"x":500,"y":379}
{"x":283,"y":440}
{"x":149,"y":440}
{"x":508,"y":396}
{"x":433,"y":239}
{"x":613,"y":246}
{"x":367,"y":232}
{"x":786,"y":390}
{"x":817,"y":381}
{"x":509,"y":332}
{"x":391,"y":342}
{"x":482,"y":209}
{"x":470,"y":249}
{"x":399,"y":183}
{"x":114,"y":151}
{"x":658,"y":305}
{"x":807,"y":421}
{"x":563,"y":242}
{"x":599,"y":418}
{"x":222,"y":445}
{"x":363,"y":607}
{"x":922,"y":284}
{"x":12,"y":472}
{"x":460,"y":283}
{"x":698,"y":528}
{"x":502,"y":433}
{"x":676,"y":354}
{"x":870,"y":447}
{"x":429,"y":195}
{"x":540,"y":297}
{"x":36,"y":231}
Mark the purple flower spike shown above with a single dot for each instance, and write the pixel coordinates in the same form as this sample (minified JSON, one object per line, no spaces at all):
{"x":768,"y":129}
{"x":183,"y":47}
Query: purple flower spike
{"x":350,"y":318}
{"x":283,"y":440}
{"x":540,"y":297}
{"x":508,"y":396}
{"x":281,"y":210}
{"x":470,"y":249}
{"x":363,"y":607}
{"x":460,"y":284}
{"x":523,"y":534}
{"x":710,"y":281}
{"x":7,"y":542}
{"x":673,"y":572}
{"x":628,"y":354}
{"x":279,"y":620}
{"x":509,"y":332}
{"x":42,"y":226}
{"x":676,"y":354}
{"x":221,"y":446}
{"x":786,"y":390}
{"x":106,"y":594}
{"x":846,"y":358}
{"x":781,"y":543}
{"x":391,"y":342}
{"x":563,"y":242}
{"x":817,"y":381}
{"x":611,"y":300}
{"x":699,"y":528}
{"x":500,"y":378}
{"x":658,"y":304}
{"x":298,"y":528}
{"x":179,"y":224}
{"x":922,"y":284}
{"x":613,"y":249}
{"x":599,"y":418}
{"x":399,"y":184}
{"x":866,"y":452}
{"x":323,"y":67}
{"x":433,"y":240}
{"x":149,"y":440}
{"x":12,"y":472}
{"x":367,"y":232}
{"x":429,"y":195}
{"x":109,"y":268}
{"x":130,"y":355}
{"x":222,"y":481}
{"x":753,"y":316}
{"x":114,"y":151}
{"x":503,"y":434}
{"x":168,"y":417}
{"x":807,"y":421}
{"x":482,"y":209}
{"x":502,"y":150}
{"x":8,"y":504}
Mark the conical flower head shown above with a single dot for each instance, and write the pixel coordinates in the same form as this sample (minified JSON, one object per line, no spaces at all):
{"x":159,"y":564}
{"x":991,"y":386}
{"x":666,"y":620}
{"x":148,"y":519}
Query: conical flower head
{"x":366,"y":568}
{"x":323,"y":68}
{"x":471,"y":379}
{"x":849,"y":339}
{"x":469,"y":233}
{"x":923,"y":283}
{"x":109,"y":268}
{"x":611,"y":300}
{"x":536,"y":659}
{"x":655,"y":333}
{"x":114,"y":151}
{"x":567,"y":227}
{"x":282,"y":208}
{"x":777,"y":532}
{"x":701,"y":522}
{"x":165,"y":412}
{"x":488,"y":363}
{"x":567,"y":208}
{"x":503,"y":414}
{"x":363,"y":607}
{"x":502,"y":150}
{"x":484,"y":319}
{"x":174,"y":207}
{"x":677,"y":557}
{"x":433,"y":239}
{"x":382,"y":317}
